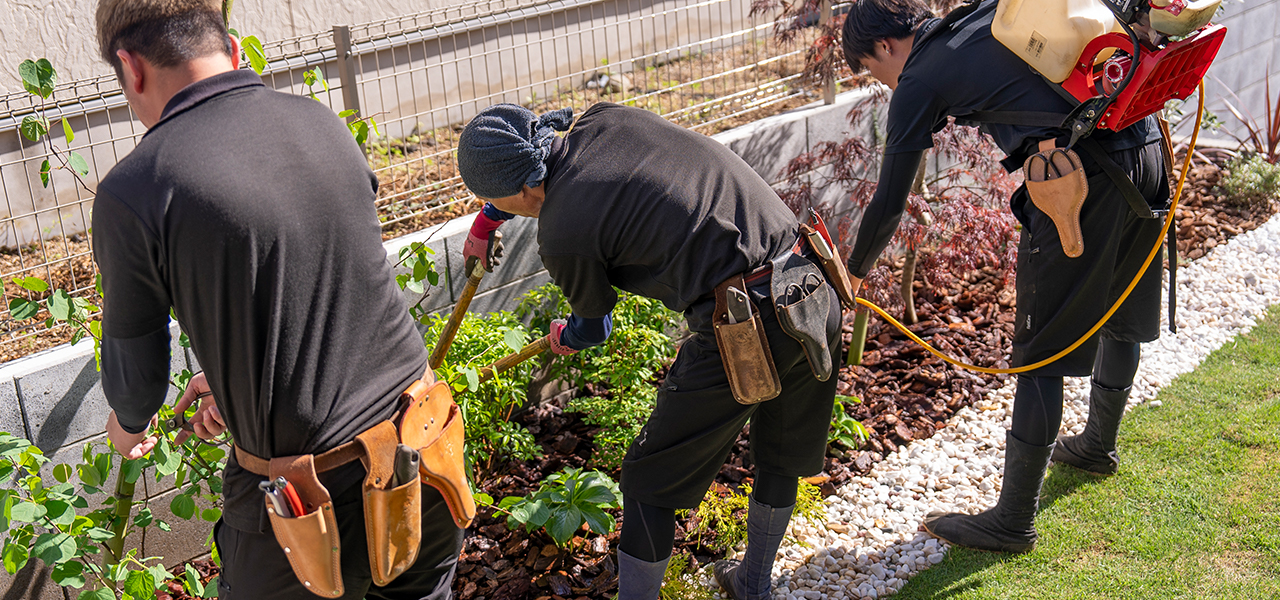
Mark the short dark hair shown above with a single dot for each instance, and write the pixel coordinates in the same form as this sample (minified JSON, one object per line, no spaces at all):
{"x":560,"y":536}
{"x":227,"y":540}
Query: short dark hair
{"x":165,"y":32}
{"x":870,"y":21}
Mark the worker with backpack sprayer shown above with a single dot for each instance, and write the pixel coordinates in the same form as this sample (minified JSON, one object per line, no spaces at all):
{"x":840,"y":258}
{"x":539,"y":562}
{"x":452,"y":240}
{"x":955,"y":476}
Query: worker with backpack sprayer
{"x":1087,"y":222}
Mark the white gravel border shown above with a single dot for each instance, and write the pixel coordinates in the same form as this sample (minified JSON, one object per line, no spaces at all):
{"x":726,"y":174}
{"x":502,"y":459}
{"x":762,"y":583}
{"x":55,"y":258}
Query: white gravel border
{"x":872,"y":545}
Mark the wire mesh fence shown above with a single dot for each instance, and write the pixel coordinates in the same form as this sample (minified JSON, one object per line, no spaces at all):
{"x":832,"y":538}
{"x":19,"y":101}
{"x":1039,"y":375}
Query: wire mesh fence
{"x":706,"y":64}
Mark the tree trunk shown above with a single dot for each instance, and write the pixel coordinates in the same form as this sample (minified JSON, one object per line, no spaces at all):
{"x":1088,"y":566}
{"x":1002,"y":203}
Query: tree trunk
{"x":859,"y":339}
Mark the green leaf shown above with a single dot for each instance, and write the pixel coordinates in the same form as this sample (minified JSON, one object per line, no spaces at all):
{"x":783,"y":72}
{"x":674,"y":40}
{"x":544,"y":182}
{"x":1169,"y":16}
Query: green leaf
{"x":166,"y":458}
{"x":89,"y":476}
{"x":473,"y":379}
{"x":482,"y":498}
{"x":34,"y":284}
{"x":62,"y":472}
{"x":514,"y":339}
{"x":183,"y":506}
{"x":414,"y":285}
{"x":144,"y":517}
{"x":350,"y":112}
{"x":98,"y":594}
{"x":131,"y":470}
{"x":360,"y":129}
{"x":34,"y":127}
{"x":210,"y":588}
{"x":69,"y":574}
{"x":67,"y":132}
{"x":99,"y":534}
{"x":532,"y":514}
{"x":253,"y":50}
{"x":78,"y":164}
{"x":211,"y":514}
{"x":27,"y":512}
{"x":21,"y":308}
{"x":564,"y":521}
{"x":60,"y":305}
{"x":600,"y":522}
{"x":14,"y":556}
{"x":38,"y":77}
{"x":140,"y":584}
{"x":193,"y":583}
{"x":45,"y":167}
{"x":54,"y":548}
{"x":595,"y":494}
{"x":60,"y":513}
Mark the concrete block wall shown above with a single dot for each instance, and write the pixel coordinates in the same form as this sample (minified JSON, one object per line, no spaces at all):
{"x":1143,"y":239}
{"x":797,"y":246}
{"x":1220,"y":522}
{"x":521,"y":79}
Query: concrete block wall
{"x":55,"y":398}
{"x":1249,"y":55}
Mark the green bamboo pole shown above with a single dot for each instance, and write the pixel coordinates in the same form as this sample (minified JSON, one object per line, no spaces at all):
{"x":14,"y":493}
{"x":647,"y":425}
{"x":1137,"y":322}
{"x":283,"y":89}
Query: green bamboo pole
{"x":859,"y":341}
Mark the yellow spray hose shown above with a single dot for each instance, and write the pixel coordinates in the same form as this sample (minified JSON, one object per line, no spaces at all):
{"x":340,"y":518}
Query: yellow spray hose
{"x":1177,"y":194}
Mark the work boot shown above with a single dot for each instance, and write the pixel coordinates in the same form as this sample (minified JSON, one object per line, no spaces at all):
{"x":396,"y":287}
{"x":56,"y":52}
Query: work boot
{"x":1009,"y":526}
{"x":752,"y":577}
{"x":639,"y":579}
{"x":1094,"y":450}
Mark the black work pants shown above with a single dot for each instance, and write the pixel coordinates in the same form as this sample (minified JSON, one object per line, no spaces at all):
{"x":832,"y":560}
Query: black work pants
{"x":696,"y":421}
{"x":254,"y":565}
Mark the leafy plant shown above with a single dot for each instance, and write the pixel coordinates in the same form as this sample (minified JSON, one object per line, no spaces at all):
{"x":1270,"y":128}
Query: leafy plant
{"x":38,"y":79}
{"x":679,"y":582}
{"x":563,"y":503}
{"x":417,"y":258}
{"x":846,"y":430}
{"x":310,"y":78}
{"x":487,"y":407}
{"x":1264,"y":135}
{"x":1251,"y":180}
{"x":61,"y":307}
{"x":720,"y":521}
{"x":624,"y":367}
{"x":360,"y":127}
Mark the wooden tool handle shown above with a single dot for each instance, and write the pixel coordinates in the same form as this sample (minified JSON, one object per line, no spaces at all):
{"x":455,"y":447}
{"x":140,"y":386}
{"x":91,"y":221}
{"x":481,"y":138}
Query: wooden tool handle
{"x":455,"y":320}
{"x":530,"y":350}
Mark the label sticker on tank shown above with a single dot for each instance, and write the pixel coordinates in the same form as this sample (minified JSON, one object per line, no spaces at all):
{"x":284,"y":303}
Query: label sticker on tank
{"x":1035,"y":45}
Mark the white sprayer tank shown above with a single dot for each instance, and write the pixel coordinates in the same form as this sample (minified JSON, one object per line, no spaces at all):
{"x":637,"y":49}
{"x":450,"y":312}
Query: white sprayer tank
{"x":1051,"y":34}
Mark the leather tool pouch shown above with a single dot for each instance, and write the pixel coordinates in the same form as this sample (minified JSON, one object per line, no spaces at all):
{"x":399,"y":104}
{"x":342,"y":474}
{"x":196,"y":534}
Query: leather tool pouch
{"x":803,"y":305}
{"x":310,"y":541}
{"x":1057,"y":184}
{"x":432,"y":424}
{"x":814,"y":233}
{"x":744,"y":349}
{"x":392,"y":515}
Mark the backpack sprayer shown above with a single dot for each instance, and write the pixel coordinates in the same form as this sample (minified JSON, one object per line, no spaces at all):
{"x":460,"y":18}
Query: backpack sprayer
{"x":1090,"y":51}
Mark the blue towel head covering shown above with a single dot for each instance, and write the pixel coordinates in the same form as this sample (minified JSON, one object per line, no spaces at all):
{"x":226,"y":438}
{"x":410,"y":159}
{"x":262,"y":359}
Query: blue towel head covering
{"x":505,"y":147}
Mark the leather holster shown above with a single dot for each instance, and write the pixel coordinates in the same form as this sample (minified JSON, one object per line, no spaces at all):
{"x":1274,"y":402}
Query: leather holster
{"x":392,"y":515}
{"x":432,"y":424}
{"x":803,"y":304}
{"x":310,"y":541}
{"x":1057,"y":184}
{"x":744,"y":350}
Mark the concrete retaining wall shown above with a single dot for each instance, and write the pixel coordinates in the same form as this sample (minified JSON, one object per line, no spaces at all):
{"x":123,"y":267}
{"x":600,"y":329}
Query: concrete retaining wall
{"x":55,"y":398}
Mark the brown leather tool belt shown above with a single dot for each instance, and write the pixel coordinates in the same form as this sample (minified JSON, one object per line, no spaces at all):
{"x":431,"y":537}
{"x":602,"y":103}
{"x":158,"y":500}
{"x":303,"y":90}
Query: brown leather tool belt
{"x":428,"y":422}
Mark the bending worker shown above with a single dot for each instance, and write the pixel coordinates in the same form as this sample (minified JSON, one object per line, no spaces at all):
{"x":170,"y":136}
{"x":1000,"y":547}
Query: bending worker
{"x":960,"y":70}
{"x":250,"y":214}
{"x":627,"y":200}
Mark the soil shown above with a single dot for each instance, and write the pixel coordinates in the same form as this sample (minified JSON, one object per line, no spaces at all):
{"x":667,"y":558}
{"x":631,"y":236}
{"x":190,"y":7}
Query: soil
{"x":906,"y":394}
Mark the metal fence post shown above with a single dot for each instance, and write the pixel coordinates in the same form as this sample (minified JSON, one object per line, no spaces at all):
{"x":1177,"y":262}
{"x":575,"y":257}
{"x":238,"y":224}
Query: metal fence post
{"x":829,"y":88}
{"x":347,"y":71}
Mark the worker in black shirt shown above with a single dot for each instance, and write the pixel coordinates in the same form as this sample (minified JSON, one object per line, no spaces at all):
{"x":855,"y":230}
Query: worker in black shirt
{"x":250,"y":214}
{"x":627,"y":200}
{"x":960,"y":70}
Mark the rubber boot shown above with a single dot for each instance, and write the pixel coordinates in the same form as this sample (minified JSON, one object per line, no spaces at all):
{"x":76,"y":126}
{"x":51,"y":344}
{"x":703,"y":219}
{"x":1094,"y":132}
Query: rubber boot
{"x":752,"y":577}
{"x":1094,"y":450}
{"x":1009,"y":526}
{"x":639,"y":579}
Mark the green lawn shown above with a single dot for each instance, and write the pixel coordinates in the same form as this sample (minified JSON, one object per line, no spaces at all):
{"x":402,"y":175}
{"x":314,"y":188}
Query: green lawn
{"x":1194,"y":512}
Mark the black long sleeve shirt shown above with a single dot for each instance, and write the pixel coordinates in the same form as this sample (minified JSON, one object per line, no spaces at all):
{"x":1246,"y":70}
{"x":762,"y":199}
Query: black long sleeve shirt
{"x":954,"y":73}
{"x":641,"y":204}
{"x":251,"y":213}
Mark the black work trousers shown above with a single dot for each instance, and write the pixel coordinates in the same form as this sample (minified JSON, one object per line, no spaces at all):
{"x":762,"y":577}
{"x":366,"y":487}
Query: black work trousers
{"x":254,"y":565}
{"x":696,"y":421}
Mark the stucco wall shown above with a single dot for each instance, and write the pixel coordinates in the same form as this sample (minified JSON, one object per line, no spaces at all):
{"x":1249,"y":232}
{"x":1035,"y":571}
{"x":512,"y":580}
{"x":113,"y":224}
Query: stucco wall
{"x":63,"y":30}
{"x":1250,"y":51}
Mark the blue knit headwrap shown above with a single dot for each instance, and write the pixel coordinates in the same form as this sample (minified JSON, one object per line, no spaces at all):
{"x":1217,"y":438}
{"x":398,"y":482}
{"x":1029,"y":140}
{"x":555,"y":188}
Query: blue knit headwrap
{"x":505,"y":148}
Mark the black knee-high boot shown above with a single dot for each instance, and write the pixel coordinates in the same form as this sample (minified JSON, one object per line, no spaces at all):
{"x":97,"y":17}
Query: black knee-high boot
{"x":1094,"y":450}
{"x":1009,"y":526}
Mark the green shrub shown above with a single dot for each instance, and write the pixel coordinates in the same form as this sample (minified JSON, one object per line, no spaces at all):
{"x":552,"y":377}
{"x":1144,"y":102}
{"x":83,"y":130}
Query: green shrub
{"x":626,"y":363}
{"x":1251,"y":181}
{"x":487,"y":407}
{"x":725,"y":515}
{"x":562,"y":504}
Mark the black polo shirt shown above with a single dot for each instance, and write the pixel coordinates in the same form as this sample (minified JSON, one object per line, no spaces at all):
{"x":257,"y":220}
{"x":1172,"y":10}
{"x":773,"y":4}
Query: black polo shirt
{"x":641,"y":204}
{"x":251,"y":214}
